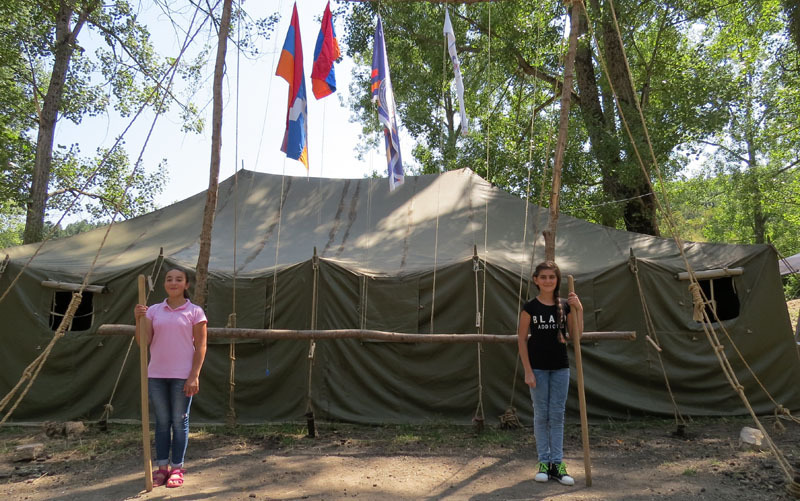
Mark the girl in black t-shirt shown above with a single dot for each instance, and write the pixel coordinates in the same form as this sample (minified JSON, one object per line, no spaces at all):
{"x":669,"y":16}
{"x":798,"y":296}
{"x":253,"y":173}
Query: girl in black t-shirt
{"x":548,"y":318}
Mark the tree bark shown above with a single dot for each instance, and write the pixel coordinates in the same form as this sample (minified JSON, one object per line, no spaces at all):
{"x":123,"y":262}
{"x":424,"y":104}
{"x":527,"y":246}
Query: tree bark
{"x":64,"y":48}
{"x":204,"y":254}
{"x":753,"y":188}
{"x":639,"y":211}
{"x":600,"y":129}
{"x":561,"y":142}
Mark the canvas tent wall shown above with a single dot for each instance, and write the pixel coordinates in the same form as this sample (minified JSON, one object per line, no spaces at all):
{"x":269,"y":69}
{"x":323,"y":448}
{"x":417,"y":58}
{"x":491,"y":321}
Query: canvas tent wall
{"x":379,"y":253}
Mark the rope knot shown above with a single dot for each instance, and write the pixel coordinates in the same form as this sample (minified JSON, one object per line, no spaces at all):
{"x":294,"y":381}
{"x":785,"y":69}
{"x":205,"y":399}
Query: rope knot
{"x":231,"y":320}
{"x":697,"y":300}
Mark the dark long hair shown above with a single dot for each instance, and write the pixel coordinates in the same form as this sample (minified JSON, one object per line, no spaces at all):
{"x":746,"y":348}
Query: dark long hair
{"x":551,"y":265}
{"x":186,"y":275}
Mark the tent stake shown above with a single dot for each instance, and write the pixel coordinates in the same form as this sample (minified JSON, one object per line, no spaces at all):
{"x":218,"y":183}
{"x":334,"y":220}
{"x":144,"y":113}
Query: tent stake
{"x":140,"y":327}
{"x":576,"y":343}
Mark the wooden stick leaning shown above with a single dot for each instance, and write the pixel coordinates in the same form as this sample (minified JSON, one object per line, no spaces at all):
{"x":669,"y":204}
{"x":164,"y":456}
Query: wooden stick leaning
{"x":142,"y":335}
{"x":576,"y":343}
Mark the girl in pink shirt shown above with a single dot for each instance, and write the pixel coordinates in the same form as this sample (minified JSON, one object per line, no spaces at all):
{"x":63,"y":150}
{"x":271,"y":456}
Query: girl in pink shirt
{"x":175,"y":331}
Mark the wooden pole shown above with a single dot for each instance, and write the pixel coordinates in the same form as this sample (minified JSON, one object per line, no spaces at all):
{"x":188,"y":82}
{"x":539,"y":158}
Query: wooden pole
{"x":204,"y":253}
{"x":391,"y":337}
{"x":561,"y":141}
{"x":577,"y":334}
{"x":140,"y":328}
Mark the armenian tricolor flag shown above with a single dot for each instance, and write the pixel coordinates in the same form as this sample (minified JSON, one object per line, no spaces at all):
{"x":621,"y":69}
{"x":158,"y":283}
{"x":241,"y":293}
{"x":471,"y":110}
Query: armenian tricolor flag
{"x":290,"y":67}
{"x":326,"y":52}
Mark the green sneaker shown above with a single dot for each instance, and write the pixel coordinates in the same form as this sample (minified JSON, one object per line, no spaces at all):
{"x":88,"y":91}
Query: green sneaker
{"x":558,"y":471}
{"x":543,"y":475}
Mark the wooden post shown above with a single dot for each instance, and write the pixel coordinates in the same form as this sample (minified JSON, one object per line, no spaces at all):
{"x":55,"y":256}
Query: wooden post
{"x":140,"y":328}
{"x":576,"y":343}
{"x":561,"y":140}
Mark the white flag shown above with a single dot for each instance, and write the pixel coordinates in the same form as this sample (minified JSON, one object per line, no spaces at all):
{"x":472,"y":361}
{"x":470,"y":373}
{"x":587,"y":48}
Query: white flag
{"x":451,"y":48}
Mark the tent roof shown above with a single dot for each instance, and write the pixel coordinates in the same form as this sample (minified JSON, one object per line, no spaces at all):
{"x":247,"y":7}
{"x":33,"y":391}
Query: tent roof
{"x":360,"y":224}
{"x":789,"y":265}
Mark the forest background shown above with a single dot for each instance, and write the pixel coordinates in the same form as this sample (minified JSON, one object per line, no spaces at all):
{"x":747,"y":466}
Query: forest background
{"x":718,"y":85}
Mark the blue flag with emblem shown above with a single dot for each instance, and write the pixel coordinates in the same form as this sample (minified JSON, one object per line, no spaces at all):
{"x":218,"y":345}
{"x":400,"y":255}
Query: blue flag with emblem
{"x":387,"y":113}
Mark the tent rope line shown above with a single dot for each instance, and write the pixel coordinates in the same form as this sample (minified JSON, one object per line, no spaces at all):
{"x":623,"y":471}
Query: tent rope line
{"x":269,"y":93}
{"x":4,"y":265}
{"x":32,"y":371}
{"x":652,"y":336}
{"x":171,"y":71}
{"x":34,"y":368}
{"x":719,"y":351}
{"x":312,"y":432}
{"x":230,"y":417}
{"x":506,"y":417}
{"x":699,"y":299}
{"x":109,"y":408}
{"x":479,"y":418}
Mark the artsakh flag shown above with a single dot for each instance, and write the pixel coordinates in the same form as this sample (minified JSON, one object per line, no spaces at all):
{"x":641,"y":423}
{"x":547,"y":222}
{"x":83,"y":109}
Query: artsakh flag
{"x":290,"y":67}
{"x":387,"y":114}
{"x":326,"y":52}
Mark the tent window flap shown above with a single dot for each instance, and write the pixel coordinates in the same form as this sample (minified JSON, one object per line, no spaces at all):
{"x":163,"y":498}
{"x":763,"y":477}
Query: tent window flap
{"x":84,"y":315}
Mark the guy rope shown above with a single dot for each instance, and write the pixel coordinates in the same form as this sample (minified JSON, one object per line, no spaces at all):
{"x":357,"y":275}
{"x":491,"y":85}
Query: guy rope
{"x":698,"y":297}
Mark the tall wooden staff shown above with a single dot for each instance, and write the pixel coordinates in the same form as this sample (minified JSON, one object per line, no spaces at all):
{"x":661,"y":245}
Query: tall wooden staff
{"x":142,"y":335}
{"x":576,"y":343}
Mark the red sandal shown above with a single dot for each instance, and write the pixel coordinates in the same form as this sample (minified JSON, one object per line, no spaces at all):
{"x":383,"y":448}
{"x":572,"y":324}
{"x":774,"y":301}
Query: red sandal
{"x":160,"y":477}
{"x":176,"y":477}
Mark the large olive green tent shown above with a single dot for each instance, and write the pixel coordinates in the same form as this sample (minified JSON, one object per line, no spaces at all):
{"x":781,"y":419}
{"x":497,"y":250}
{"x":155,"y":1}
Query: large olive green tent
{"x":442,"y":254}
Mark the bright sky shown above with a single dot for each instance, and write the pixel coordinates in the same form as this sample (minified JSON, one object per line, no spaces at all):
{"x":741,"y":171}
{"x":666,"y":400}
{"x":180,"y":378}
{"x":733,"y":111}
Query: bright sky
{"x":262,"y":114}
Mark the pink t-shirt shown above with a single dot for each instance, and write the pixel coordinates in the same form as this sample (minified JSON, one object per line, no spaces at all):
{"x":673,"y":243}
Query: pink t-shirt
{"x":172,"y":346}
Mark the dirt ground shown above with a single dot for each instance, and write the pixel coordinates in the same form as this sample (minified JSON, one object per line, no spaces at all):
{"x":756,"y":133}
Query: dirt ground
{"x":639,"y":460}
{"x":794,"y":309}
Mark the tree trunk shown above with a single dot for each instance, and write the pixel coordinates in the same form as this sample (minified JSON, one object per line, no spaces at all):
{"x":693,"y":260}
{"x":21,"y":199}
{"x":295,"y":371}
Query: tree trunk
{"x":201,"y":277}
{"x":599,"y":128}
{"x":753,"y":189}
{"x":639,"y":206}
{"x":792,"y":10}
{"x":561,"y":142}
{"x":64,"y":48}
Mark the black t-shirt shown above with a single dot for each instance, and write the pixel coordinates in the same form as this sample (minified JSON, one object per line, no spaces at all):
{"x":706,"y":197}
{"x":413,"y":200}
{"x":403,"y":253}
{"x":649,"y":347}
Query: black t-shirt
{"x":545,"y":351}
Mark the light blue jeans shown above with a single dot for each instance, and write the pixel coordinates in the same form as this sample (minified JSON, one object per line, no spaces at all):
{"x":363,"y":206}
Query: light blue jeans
{"x":549,"y":402}
{"x":171,"y":408}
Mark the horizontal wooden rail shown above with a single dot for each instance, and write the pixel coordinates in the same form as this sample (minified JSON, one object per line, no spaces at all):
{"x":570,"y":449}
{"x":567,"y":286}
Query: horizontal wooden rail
{"x":395,"y":337}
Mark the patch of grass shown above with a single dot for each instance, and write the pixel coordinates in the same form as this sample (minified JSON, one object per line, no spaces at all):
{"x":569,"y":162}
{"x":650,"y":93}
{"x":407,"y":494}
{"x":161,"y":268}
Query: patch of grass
{"x":689,"y":472}
{"x":496,"y":436}
{"x":405,"y":439}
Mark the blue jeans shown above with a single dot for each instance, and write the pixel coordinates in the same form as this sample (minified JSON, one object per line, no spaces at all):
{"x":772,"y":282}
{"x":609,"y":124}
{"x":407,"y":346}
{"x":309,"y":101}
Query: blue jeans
{"x":171,"y":408}
{"x":549,"y":402}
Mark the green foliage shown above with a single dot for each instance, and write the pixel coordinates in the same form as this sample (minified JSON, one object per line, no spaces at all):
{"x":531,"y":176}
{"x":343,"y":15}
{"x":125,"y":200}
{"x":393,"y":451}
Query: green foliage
{"x":112,"y":69}
{"x":12,"y":224}
{"x":748,"y":189}
{"x":791,"y":287}
{"x":511,"y":53}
